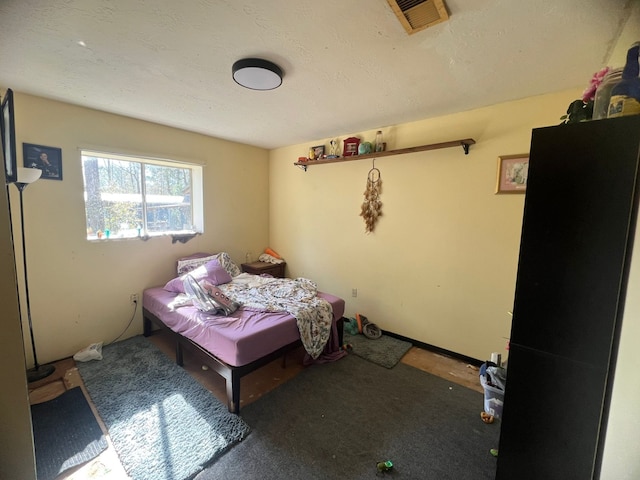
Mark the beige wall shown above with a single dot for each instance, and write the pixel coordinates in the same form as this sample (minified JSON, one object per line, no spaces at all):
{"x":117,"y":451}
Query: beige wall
{"x":80,"y":289}
{"x":440,"y":266}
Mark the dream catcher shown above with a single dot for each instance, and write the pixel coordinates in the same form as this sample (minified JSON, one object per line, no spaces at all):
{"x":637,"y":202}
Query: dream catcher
{"x":372,"y":206}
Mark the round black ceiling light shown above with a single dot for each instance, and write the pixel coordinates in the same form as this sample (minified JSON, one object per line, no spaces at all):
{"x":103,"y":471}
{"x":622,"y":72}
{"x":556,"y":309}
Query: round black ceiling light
{"x":257,"y":74}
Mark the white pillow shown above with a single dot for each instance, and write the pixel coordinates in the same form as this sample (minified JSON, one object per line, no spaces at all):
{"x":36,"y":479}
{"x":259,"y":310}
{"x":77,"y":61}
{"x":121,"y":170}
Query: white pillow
{"x":187,"y":264}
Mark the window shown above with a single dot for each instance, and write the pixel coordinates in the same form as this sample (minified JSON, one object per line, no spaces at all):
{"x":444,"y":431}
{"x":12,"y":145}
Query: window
{"x":128,"y":196}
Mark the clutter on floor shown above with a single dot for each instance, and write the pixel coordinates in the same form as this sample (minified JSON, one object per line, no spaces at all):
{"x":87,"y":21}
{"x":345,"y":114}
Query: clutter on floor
{"x":493,"y":379}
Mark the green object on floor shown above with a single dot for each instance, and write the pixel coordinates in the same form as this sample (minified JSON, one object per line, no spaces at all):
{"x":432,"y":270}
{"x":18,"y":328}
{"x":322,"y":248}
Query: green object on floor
{"x":384,"y":466}
{"x":494,"y":452}
{"x":351,"y":326}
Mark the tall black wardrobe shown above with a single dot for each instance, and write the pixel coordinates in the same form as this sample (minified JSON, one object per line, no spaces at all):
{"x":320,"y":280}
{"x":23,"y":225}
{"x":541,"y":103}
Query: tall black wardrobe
{"x":580,"y":212}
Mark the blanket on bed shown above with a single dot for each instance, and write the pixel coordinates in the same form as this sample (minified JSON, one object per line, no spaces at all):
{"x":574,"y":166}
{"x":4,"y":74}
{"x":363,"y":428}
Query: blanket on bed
{"x":298,"y":297}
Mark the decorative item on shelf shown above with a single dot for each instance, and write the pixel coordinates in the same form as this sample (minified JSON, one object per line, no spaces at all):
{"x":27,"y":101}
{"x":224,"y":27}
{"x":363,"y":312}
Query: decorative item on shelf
{"x":302,"y":159}
{"x":364,"y":148}
{"x":581,"y":110}
{"x":318,"y":151}
{"x":312,"y":154}
{"x":380,"y":145}
{"x":333,"y":149}
{"x":603,"y":93}
{"x":625,"y":95}
{"x":350,"y":146}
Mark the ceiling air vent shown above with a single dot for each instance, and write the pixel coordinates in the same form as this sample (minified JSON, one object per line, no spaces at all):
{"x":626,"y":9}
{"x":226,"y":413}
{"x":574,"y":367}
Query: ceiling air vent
{"x":416,"y":15}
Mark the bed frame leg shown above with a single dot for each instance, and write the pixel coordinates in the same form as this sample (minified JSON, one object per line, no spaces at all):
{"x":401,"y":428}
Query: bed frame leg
{"x":233,"y":392}
{"x":179,"y":359}
{"x":146,"y":326}
{"x":340,"y":326}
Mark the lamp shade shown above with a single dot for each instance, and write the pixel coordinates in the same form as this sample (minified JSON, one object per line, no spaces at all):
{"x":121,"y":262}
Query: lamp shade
{"x":257,"y":74}
{"x":28,"y":175}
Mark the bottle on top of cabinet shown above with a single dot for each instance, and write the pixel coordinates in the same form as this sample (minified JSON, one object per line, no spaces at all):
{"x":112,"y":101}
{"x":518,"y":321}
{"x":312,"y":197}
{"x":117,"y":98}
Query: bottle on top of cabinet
{"x":625,"y":95}
{"x":603,"y":93}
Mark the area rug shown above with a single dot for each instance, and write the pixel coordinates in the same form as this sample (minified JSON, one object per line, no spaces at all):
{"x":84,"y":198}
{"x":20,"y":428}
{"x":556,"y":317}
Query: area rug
{"x":336,"y":420}
{"x":385,"y":351}
{"x":163,"y":424}
{"x":65,"y":434}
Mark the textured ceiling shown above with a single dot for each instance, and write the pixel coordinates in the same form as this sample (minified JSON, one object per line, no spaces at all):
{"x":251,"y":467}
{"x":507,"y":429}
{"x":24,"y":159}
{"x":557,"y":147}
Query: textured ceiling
{"x":349,"y":65}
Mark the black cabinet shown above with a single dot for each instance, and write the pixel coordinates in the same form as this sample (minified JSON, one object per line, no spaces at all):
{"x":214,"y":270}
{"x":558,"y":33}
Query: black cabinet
{"x":577,"y":237}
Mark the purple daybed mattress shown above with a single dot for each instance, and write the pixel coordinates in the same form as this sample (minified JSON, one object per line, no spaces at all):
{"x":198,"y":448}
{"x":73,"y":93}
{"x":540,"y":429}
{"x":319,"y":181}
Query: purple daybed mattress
{"x":237,"y":340}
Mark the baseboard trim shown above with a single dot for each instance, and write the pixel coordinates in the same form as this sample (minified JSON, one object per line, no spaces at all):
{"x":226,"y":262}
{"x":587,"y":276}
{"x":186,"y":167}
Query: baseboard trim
{"x":433,"y":348}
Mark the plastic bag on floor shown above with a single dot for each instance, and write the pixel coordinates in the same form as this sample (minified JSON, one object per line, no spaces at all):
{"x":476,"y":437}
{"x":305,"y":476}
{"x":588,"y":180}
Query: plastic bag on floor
{"x":92,"y":352}
{"x":497,"y":376}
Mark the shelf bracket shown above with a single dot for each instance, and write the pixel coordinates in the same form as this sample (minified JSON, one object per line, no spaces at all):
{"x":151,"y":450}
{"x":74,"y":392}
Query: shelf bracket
{"x":465,"y":147}
{"x":303,"y":167}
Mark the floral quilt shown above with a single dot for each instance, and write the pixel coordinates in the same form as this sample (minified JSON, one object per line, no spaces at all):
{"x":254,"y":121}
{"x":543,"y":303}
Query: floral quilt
{"x":298,"y":297}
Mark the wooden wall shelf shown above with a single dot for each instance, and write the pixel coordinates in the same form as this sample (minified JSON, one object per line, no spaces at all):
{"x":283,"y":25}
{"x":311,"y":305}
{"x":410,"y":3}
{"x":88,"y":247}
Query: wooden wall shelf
{"x":465,"y":143}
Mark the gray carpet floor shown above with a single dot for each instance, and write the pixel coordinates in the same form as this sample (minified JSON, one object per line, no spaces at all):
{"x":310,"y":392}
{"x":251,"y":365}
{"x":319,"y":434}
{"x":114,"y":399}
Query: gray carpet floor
{"x":337,"y":420}
{"x":162,"y":422}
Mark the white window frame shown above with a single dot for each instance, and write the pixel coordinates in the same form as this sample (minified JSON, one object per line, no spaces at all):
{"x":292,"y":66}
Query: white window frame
{"x":197,"y":189}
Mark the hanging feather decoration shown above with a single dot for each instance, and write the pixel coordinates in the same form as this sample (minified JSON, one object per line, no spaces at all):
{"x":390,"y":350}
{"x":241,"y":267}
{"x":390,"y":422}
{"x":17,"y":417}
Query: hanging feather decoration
{"x":372,"y":206}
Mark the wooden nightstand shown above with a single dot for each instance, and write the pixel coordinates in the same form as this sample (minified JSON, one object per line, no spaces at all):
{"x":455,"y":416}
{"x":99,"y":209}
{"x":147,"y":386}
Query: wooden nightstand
{"x":258,"y":268}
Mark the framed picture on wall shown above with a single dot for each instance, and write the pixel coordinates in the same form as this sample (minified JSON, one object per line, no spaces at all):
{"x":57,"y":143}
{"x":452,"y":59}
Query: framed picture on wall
{"x":513,"y":171}
{"x":7,"y":126}
{"x":47,"y":159}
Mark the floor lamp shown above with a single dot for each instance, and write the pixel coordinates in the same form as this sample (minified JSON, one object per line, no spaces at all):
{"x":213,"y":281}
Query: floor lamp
{"x":26,"y":176}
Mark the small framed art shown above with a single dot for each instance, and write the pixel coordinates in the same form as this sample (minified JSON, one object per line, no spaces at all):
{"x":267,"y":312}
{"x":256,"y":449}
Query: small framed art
{"x":47,"y":159}
{"x":318,"y":152}
{"x":513,"y":171}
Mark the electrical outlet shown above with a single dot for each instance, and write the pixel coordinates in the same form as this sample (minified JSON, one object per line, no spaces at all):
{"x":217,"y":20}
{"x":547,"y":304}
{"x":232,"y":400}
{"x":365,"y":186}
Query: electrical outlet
{"x":354,"y":292}
{"x":133,"y":298}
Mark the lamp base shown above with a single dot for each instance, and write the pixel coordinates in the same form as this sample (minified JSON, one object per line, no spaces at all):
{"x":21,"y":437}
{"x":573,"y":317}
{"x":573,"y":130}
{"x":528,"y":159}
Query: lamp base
{"x":43,"y":371}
